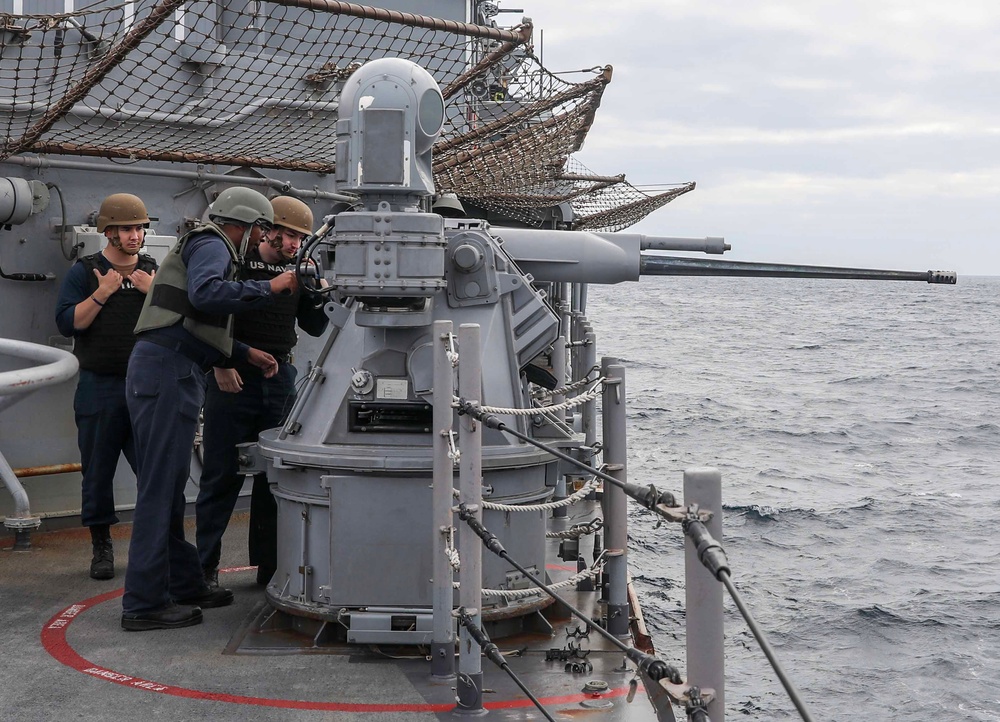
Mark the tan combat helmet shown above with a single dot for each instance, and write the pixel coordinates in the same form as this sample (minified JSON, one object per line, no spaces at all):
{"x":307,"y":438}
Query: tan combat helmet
{"x":292,"y":213}
{"x":121,"y":209}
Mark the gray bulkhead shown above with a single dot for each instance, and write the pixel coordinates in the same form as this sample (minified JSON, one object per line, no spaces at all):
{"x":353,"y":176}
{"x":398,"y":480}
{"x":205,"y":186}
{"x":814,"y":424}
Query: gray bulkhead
{"x":39,"y":430}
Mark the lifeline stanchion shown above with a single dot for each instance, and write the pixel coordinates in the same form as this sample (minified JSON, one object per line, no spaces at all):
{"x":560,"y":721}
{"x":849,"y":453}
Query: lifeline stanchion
{"x":614,"y":501}
{"x":442,"y":528}
{"x":470,"y":475}
{"x":559,"y":360}
{"x":704,"y":598}
{"x":713,"y":556}
{"x":590,"y":407}
{"x":493,"y":653}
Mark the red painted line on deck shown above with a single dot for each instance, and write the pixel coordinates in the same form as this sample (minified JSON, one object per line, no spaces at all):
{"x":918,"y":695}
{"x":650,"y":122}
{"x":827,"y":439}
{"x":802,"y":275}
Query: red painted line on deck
{"x":562,"y":567}
{"x":53,"y":638}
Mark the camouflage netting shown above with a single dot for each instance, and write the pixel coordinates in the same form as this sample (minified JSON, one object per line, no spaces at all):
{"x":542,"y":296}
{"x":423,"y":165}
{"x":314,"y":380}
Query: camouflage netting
{"x":257,"y":84}
{"x":611,"y":204}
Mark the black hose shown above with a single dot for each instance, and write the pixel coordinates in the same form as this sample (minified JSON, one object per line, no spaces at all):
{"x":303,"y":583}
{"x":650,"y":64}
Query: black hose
{"x":655,"y":668}
{"x":494,"y":654}
{"x":72,"y":252}
{"x":27,"y":276}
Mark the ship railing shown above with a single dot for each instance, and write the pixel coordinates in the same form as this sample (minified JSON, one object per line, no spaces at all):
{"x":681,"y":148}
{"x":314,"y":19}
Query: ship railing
{"x":473,"y":641}
{"x":700,"y":517}
{"x":52,"y":366}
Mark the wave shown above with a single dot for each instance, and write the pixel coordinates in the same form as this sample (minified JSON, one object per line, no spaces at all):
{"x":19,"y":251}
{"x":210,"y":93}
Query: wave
{"x":886,"y":617}
{"x":771,"y":513}
{"x":861,"y":379}
{"x":811,"y":434}
{"x":763,"y":512}
{"x":855,"y":428}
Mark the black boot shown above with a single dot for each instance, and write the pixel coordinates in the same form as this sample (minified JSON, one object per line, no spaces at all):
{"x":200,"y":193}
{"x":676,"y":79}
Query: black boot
{"x":264,"y":575}
{"x":102,"y":566}
{"x":211,"y":577}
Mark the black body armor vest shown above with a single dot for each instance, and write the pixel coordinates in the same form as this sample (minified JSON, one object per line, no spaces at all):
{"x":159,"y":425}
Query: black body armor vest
{"x":104,"y":347}
{"x":270,"y":329}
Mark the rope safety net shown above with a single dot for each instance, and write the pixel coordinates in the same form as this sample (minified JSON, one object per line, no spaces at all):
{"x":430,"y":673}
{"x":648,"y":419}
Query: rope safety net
{"x":257,"y":84}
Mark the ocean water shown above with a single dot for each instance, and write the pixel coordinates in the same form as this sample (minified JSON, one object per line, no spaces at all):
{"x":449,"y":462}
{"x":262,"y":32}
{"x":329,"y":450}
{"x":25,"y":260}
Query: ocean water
{"x":856,"y":428}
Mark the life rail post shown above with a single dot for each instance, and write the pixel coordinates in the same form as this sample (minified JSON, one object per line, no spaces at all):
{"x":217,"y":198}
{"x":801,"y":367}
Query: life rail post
{"x":614,"y":501}
{"x":469,"y":685}
{"x":560,"y":356}
{"x":706,"y":656}
{"x":443,"y":527}
{"x":589,"y":356}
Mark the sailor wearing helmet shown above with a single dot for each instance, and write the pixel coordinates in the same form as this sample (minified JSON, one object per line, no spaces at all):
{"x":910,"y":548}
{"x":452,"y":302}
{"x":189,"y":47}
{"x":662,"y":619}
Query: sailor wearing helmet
{"x":186,"y":328}
{"x":241,"y":402}
{"x":98,"y":305}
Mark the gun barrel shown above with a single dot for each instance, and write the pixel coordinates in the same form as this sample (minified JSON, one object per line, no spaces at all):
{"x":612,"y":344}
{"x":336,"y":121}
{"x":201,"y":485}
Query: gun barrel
{"x":652,"y":265}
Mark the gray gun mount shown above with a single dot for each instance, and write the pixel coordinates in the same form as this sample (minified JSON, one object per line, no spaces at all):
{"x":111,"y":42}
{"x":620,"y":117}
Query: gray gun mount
{"x":608,"y":258}
{"x":352,"y":467}
{"x":589,"y":257}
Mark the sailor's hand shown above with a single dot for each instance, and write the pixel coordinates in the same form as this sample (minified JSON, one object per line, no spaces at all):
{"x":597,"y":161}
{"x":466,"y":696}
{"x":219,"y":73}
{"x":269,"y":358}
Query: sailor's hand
{"x":141,"y":280}
{"x":229,"y":380}
{"x":264,"y":361}
{"x":107,"y":284}
{"x":284,"y":283}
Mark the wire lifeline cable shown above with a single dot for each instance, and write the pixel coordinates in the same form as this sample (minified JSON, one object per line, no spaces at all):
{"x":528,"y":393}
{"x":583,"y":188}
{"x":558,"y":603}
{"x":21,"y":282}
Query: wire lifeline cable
{"x":647,"y":495}
{"x":655,"y":668}
{"x":710,"y":552}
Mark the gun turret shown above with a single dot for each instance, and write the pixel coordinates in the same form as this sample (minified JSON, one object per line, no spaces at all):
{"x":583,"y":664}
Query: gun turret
{"x":362,"y":440}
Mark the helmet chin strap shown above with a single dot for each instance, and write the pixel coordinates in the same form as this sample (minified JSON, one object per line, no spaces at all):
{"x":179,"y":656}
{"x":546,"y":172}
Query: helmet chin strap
{"x":116,"y":242}
{"x":247,"y":230}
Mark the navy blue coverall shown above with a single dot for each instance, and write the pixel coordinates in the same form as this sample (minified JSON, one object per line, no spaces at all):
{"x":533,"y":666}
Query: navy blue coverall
{"x":165,"y":387}
{"x":232,"y":419}
{"x":237,"y":418}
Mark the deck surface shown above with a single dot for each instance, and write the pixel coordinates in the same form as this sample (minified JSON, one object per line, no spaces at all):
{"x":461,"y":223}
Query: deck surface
{"x":65,"y":657}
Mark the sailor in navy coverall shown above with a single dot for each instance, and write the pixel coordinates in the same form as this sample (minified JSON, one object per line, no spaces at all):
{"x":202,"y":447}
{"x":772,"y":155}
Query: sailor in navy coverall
{"x":241,"y":402}
{"x":98,"y":305}
{"x":184,"y":330}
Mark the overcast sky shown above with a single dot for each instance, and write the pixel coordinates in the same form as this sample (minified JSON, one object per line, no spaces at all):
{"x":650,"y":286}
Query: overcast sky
{"x":845,"y":132}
